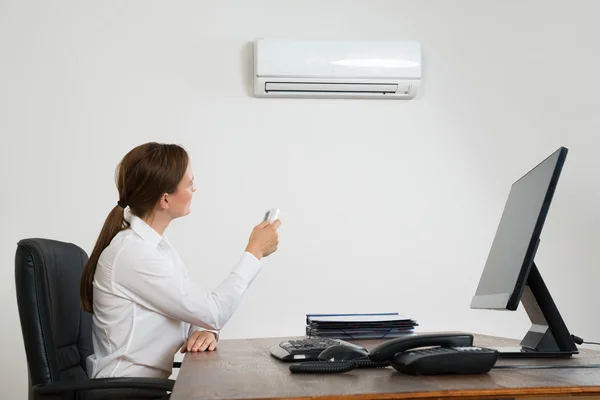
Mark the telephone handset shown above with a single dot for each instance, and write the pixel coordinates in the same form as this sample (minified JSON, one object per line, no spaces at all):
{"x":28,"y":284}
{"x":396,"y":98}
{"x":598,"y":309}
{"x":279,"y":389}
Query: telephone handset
{"x":434,"y":354}
{"x":386,"y":350}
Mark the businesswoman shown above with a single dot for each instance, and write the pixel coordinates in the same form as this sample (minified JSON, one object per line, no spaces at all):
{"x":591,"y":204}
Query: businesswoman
{"x":145,"y":308}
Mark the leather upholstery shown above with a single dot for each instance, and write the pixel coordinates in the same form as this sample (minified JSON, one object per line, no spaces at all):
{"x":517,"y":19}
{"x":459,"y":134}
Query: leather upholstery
{"x":47,"y":274}
{"x":57,"y":333}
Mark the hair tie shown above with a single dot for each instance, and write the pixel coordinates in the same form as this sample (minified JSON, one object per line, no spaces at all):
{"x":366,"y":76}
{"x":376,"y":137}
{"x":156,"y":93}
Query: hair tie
{"x":121,"y":204}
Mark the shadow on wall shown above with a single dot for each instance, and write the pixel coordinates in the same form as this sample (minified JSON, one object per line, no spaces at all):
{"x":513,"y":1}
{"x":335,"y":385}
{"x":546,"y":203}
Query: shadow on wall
{"x":248,"y":68}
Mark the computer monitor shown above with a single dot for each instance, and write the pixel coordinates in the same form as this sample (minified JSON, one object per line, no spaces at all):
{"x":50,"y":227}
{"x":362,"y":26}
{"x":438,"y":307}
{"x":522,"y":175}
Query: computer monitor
{"x":510,"y":274}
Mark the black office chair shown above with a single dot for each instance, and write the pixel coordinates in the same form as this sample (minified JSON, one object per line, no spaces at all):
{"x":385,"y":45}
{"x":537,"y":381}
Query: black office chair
{"x":58,"y":333}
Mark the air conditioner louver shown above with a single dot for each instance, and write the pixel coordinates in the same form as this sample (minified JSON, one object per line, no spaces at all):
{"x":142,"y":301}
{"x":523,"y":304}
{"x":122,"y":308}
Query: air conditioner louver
{"x":292,"y":87}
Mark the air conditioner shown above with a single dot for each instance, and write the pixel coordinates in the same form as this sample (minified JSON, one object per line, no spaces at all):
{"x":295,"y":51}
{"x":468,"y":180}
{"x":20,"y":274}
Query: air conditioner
{"x":337,"y":69}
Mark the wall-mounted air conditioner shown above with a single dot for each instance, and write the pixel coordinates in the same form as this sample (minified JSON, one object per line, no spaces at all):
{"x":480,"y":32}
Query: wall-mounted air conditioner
{"x":337,"y":69}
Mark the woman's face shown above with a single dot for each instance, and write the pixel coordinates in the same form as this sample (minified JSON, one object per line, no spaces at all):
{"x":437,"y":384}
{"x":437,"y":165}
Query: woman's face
{"x":181,"y":200}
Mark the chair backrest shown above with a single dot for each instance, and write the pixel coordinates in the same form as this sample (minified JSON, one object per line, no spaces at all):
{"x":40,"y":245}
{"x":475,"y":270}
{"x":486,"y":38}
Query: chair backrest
{"x":57,"y":333}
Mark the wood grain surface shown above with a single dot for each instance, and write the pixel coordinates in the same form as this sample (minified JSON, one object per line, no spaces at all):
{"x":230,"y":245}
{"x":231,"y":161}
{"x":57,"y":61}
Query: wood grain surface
{"x":244,"y":369}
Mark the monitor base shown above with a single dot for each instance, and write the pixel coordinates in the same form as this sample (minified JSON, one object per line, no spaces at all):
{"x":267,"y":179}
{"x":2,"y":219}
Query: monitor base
{"x":519,"y":352}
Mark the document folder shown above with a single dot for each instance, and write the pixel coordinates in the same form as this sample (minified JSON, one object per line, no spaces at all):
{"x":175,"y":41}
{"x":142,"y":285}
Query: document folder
{"x":358,"y":326}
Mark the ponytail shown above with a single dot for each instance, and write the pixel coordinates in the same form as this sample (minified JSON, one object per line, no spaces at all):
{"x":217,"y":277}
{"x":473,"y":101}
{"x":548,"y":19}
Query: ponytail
{"x":114,"y":223}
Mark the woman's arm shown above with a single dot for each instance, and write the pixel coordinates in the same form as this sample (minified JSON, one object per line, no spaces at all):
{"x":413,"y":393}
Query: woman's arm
{"x":147,"y":278}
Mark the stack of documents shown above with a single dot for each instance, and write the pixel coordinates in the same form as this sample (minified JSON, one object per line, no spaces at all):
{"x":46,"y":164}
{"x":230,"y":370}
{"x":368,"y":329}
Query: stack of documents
{"x":358,"y":326}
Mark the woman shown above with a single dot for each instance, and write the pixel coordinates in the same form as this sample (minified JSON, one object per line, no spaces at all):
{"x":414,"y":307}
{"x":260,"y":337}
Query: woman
{"x":144,"y":306}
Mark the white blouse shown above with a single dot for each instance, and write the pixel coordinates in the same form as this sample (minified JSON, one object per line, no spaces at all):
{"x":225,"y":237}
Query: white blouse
{"x":145,"y":306}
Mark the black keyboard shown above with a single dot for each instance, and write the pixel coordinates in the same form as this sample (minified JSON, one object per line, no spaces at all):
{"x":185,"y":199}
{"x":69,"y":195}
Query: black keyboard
{"x":307,"y":349}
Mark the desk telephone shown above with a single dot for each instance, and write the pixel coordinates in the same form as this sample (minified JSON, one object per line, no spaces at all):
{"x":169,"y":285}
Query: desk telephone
{"x":427,"y":354}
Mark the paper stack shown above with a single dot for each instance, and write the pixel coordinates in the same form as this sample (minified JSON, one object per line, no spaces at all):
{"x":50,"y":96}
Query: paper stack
{"x":358,"y":326}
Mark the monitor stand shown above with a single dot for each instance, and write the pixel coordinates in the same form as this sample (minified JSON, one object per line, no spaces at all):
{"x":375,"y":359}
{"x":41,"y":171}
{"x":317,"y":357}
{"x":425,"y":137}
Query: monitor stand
{"x":548,"y":336}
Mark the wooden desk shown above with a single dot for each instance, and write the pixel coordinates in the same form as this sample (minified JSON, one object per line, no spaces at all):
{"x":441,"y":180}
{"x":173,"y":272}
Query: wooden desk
{"x":244,"y":369}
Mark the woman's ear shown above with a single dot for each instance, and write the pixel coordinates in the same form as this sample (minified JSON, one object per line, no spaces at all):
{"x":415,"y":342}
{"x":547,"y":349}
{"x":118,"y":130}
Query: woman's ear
{"x":164,"y":201}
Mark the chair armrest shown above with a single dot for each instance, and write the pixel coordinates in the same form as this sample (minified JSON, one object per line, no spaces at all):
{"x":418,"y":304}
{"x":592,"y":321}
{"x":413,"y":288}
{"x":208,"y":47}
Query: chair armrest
{"x":105,"y":383}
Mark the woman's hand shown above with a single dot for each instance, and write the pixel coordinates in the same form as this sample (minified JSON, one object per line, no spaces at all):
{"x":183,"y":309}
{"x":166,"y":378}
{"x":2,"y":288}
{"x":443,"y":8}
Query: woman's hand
{"x":200,"y":341}
{"x":264,"y":239}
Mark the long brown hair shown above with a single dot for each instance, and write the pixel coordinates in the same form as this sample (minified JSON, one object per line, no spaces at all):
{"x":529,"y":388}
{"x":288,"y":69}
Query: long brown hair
{"x":146,"y":173}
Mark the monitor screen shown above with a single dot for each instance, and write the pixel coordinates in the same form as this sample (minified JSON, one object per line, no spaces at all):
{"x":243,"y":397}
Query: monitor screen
{"x":513,"y":248}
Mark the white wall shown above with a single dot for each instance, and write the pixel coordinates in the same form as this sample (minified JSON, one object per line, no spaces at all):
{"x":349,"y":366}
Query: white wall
{"x":383,"y":202}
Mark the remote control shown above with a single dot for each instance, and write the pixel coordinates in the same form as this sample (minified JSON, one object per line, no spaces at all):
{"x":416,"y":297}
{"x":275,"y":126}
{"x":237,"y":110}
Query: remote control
{"x":271,"y":215}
